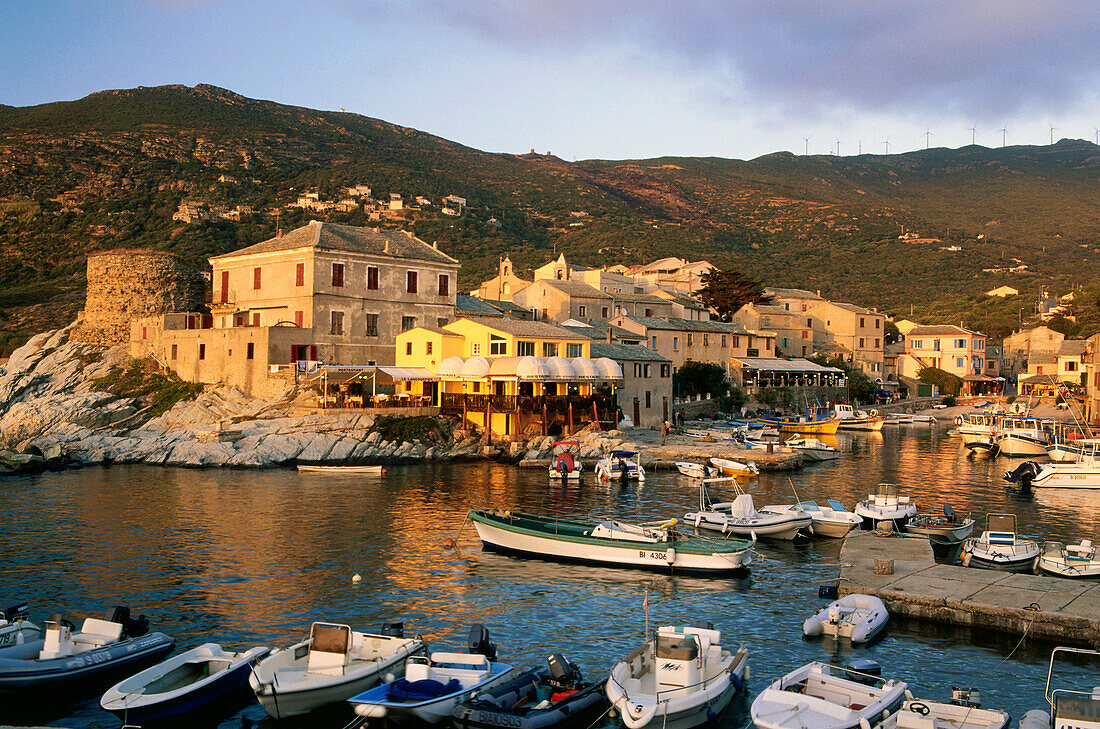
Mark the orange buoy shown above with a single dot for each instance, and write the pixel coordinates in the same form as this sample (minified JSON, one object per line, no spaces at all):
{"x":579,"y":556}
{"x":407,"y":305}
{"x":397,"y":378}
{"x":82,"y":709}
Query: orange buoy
{"x":448,"y":543}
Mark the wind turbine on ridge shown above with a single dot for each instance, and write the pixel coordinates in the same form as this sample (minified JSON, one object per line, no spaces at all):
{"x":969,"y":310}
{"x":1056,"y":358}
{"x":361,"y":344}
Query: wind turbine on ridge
{"x":1052,"y":128}
{"x":927,"y":134}
{"x":1004,"y":137}
{"x":973,"y":134}
{"x":807,"y":141}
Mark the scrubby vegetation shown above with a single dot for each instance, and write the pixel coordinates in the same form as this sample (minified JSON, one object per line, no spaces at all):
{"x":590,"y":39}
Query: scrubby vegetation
{"x":421,"y":428}
{"x":153,"y":387}
{"x":948,"y":384}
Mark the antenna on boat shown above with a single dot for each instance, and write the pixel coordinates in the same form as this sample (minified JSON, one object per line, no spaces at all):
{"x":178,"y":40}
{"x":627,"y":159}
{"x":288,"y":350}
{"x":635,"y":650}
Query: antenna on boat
{"x":796,"y":499}
{"x":645,"y":609}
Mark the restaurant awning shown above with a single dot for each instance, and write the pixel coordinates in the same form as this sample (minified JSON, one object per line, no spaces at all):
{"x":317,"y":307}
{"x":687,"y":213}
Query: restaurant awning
{"x":774,"y":364}
{"x":407,"y":374}
{"x":978,"y":378}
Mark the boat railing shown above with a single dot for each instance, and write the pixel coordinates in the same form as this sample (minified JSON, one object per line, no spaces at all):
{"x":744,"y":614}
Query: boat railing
{"x":1047,"y":694}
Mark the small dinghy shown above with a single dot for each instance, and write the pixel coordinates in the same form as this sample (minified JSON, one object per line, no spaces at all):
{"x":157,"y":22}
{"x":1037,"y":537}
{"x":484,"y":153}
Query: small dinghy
{"x":820,"y":696}
{"x":812,"y":448}
{"x":735,"y":468}
{"x":828,"y":521}
{"x":1069,"y":560}
{"x":681,"y":678}
{"x":565,"y":462}
{"x":332,"y":664}
{"x":433,"y":686}
{"x":999,"y":547}
{"x":885,"y":509}
{"x":693,"y":470}
{"x":857,"y":617}
{"x":192,"y":681}
{"x":537,"y":699}
{"x":963,"y":711}
{"x":16,"y":628}
{"x":621,"y":466}
{"x":65,"y":654}
{"x":373,"y":470}
{"x":947,"y":529}
{"x":740,"y":517}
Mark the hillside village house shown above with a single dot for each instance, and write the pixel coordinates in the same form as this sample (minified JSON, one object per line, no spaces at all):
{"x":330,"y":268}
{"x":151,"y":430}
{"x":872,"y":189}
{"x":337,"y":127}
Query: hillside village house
{"x":504,"y":285}
{"x":558,"y":300}
{"x":683,"y":306}
{"x":953,"y":349}
{"x":672,"y":274}
{"x":1092,"y":391}
{"x":322,"y":293}
{"x":1048,"y":372}
{"x":681,"y":340}
{"x":514,"y":377}
{"x":853,"y":331}
{"x":792,"y":337}
{"x":1018,"y":347}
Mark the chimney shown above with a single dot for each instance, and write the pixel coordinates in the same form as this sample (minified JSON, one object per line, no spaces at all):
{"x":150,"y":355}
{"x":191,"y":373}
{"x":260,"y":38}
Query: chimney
{"x":609,"y":332}
{"x":386,"y":246}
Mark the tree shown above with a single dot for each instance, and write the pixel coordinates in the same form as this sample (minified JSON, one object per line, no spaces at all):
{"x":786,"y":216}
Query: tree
{"x":727,"y":290}
{"x":947,"y":383}
{"x":860,"y":387}
{"x":700,"y":378}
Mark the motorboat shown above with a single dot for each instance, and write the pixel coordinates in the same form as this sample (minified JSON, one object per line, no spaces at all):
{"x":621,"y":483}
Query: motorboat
{"x":740,"y":517}
{"x":654,"y":546}
{"x":565,"y":461}
{"x":435,"y":685}
{"x":999,"y":547}
{"x":735,"y":469}
{"x":1020,"y":437}
{"x":831,"y":520}
{"x":1083,"y":474}
{"x":812,"y":448}
{"x":976,"y":427}
{"x":924,"y":418}
{"x":963,"y":711}
{"x":1069,"y":706}
{"x":621,"y":465}
{"x":64,"y":654}
{"x":1068,"y":451}
{"x":372,"y":470}
{"x":680,"y":678}
{"x":16,"y":627}
{"x":856,"y":617}
{"x":950,"y":528}
{"x":852,"y":419}
{"x":820,"y":696}
{"x":191,"y":681}
{"x":693,"y":470}
{"x":900,"y":419}
{"x":985,"y":444}
{"x":331,"y":665}
{"x":1069,"y":560}
{"x":885,"y":509}
{"x":811,"y":423}
{"x":541,"y":698}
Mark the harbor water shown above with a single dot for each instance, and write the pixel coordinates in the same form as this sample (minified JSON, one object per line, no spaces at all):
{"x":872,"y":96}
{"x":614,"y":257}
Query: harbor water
{"x":252,"y":557}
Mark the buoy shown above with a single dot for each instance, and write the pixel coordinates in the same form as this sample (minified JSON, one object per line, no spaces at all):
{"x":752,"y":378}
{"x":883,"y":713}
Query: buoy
{"x":357,"y":577}
{"x":383,"y":472}
{"x":448,"y":543}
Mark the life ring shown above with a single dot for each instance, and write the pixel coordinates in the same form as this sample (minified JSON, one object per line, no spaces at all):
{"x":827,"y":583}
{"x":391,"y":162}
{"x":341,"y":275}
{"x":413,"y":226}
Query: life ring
{"x":874,"y":412}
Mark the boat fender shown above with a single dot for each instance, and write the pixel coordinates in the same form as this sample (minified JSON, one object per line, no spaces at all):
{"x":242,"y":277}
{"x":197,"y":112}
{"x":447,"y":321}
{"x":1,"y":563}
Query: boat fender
{"x":389,"y":678}
{"x":747,"y":672}
{"x":965,"y":559}
{"x":697,"y":520}
{"x":712,"y":718}
{"x":736,"y":681}
{"x":670,"y":555}
{"x":908,"y":694}
{"x":752,"y":533}
{"x":863,"y":723}
{"x":1035,"y":566}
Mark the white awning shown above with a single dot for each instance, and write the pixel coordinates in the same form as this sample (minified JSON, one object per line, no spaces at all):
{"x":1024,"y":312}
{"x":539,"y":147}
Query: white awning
{"x":530,"y":369}
{"x":559,"y":368}
{"x":774,"y":364}
{"x":584,"y":368}
{"x":609,"y":369}
{"x":475,"y":368}
{"x":450,"y":368}
{"x":408,"y":374}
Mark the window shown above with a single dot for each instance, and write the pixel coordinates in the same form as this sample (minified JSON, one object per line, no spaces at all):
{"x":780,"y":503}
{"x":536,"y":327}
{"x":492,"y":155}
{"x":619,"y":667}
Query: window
{"x":427,"y":348}
{"x":810,"y":323}
{"x":645,"y":372}
{"x":407,"y":323}
{"x":372,"y":278}
{"x":876,"y":343}
{"x":784,"y":342}
{"x":559,"y":272}
{"x":688,"y":339}
{"x":410,"y":282}
{"x":256,"y":279}
{"x":706,"y":340}
{"x":675,"y":344}
{"x":300,"y":274}
{"x":256,"y":319}
{"x":666,"y":370}
{"x":408,"y":348}
{"x":582,"y":310}
{"x":145,"y":332}
{"x":603,"y":312}
{"x":787,"y":306}
{"x":767,"y":321}
{"x":736,"y":341}
{"x":959,"y":361}
{"x":299,"y":319}
{"x":861,"y":345}
{"x":202,"y":351}
{"x":1038,"y":370}
{"x":935,"y":345}
{"x":525,"y":349}
{"x":250,"y":354}
{"x":862,"y":323}
{"x":649,"y":312}
{"x":549,"y":349}
{"x":337,"y":275}
{"x":960,"y":344}
{"x":637,"y":369}
{"x":804,"y":307}
{"x":174,"y":351}
{"x":653,"y":343}
{"x":444,"y":284}
{"x":497,"y":345}
{"x":917,"y":344}
{"x":648,"y":404}
{"x":805,"y":333}
{"x":225,"y":287}
{"x":573,"y":350}
{"x":372,"y":325}
{"x":336,"y":325}
{"x":1071,"y":366}
{"x":475,"y":350}
{"x":724,"y":340}
{"x":877,"y":322}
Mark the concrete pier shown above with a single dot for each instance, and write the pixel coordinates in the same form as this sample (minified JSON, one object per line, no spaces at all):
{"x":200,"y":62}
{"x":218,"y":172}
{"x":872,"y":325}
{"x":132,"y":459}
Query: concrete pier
{"x":1053,"y":608}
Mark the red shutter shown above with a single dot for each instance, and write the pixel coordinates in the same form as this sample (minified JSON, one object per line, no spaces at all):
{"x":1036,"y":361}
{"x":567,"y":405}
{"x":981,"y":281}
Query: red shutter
{"x":372,"y":278}
{"x":300,"y":275}
{"x":313,"y":352}
{"x":256,"y":278}
{"x":225,"y":286}
{"x":444,"y":284}
{"x":256,"y":319}
{"x":337,"y":274}
{"x":410,"y":280}
{"x":298,"y":318}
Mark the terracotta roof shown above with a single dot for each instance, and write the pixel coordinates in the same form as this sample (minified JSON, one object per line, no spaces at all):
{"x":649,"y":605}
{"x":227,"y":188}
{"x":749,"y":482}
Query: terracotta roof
{"x":330,"y":236}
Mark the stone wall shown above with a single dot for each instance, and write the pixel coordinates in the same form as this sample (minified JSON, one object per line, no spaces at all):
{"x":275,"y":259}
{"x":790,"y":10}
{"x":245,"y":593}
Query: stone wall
{"x":127,"y":284}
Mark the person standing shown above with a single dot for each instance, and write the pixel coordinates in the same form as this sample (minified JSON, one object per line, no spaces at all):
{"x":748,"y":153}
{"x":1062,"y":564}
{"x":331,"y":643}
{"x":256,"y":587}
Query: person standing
{"x":665,"y":427}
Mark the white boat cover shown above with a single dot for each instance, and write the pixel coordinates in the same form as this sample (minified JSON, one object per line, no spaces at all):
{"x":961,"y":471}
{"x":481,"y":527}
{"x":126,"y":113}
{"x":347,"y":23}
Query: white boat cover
{"x":743,"y":507}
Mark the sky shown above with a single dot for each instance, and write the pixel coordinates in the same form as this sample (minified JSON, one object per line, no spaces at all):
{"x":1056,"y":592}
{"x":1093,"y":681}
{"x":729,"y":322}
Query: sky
{"x":611,"y":79}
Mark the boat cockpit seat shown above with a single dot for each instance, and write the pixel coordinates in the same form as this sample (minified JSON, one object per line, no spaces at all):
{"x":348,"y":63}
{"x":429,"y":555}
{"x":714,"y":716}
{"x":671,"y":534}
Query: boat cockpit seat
{"x":913,"y":720}
{"x":328,"y":649}
{"x":98,"y":632}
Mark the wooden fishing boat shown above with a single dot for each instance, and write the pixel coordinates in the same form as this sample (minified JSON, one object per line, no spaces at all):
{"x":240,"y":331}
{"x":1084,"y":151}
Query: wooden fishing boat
{"x":947,"y":529}
{"x":811,"y":424}
{"x":374,"y":470}
{"x":735,"y":468}
{"x":611,"y":543}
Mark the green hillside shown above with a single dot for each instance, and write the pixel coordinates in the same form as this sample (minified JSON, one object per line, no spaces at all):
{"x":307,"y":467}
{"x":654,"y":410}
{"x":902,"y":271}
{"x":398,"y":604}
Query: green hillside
{"x":108,"y":171}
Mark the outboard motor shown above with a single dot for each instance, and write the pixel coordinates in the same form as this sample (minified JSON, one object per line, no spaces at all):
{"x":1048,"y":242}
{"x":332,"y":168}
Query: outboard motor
{"x":479,"y":642}
{"x":864,"y":671}
{"x":624,"y":472}
{"x":703,"y":625}
{"x":1023,"y":474}
{"x":961,"y":696}
{"x":949,"y":513}
{"x":394,"y":630}
{"x":20,"y":611}
{"x":563,"y":671}
{"x":135,"y":628}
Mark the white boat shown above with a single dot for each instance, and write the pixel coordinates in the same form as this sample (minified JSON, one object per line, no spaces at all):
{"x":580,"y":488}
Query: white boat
{"x":899,"y":419}
{"x":1020,"y":437}
{"x":999,"y":547}
{"x":852,"y":419}
{"x":812,"y":448}
{"x":693,"y":470}
{"x":331,"y":665}
{"x":820,"y":696}
{"x":681,"y":678}
{"x":1069,"y":451}
{"x":947,"y":529}
{"x":885,"y":509}
{"x":1070,"y":707}
{"x":976,"y":427}
{"x":955,"y":714}
{"x":856,"y":617}
{"x":736,"y":469}
{"x":1069,"y":560}
{"x":832,"y":520}
{"x":740,"y":517}
{"x":619,"y":465}
{"x":188,"y":682}
{"x":565,"y":462}
{"x":376,"y":470}
{"x":434,"y":685}
{"x":1083,"y":474}
{"x":924,"y":418}
{"x":15,"y":628}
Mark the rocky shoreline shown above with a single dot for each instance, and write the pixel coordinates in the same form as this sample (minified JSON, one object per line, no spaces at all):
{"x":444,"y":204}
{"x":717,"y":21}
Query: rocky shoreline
{"x":53,"y":416}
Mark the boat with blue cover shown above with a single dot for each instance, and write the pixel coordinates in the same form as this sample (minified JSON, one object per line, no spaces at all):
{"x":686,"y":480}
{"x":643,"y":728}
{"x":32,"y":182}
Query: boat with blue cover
{"x":64,"y":654}
{"x":190,"y":682}
{"x":655,"y":546}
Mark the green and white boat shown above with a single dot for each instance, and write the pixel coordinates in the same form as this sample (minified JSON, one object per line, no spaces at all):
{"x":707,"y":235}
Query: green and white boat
{"x":656,"y":546}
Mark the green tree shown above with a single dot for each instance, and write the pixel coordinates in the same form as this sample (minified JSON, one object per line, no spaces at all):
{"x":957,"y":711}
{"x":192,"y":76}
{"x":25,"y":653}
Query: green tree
{"x":728,"y":290}
{"x":948,"y":384}
{"x":700,"y":378}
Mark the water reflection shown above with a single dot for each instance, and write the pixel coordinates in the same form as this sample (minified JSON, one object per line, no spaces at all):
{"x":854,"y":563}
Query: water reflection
{"x":244,"y":557}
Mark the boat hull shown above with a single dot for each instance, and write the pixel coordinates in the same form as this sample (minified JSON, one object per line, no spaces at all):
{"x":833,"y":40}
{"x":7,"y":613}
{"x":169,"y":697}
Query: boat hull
{"x":873,"y":424}
{"x":893,"y":519}
{"x":1068,"y":476}
{"x":946,"y":534}
{"x":809,"y":427}
{"x":22,"y":675}
{"x":1020,"y":446}
{"x":434,"y":711}
{"x":998,"y":557}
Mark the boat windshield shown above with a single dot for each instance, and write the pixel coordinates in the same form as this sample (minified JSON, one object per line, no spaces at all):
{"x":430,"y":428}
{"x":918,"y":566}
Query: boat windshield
{"x":1002,"y":523}
{"x":835,"y":505}
{"x":1053,"y":548}
{"x":887,"y":490}
{"x":809,"y":506}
